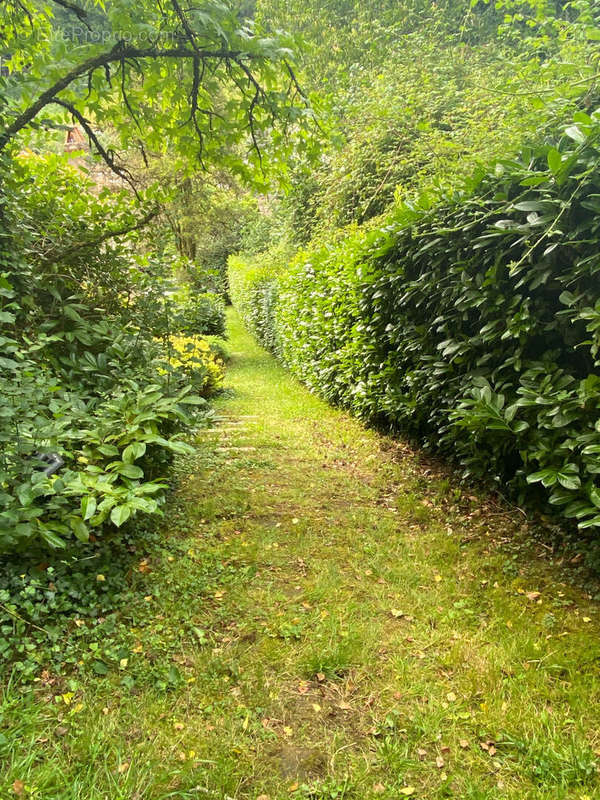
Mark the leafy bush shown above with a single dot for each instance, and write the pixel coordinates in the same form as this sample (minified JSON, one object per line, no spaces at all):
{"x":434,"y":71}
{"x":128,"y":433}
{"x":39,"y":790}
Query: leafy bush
{"x":473,"y":323}
{"x":202,"y":362}
{"x":86,"y":381}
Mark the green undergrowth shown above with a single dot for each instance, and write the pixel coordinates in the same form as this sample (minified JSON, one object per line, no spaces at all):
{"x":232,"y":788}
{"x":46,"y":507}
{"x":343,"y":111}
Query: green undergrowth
{"x":323,"y":613}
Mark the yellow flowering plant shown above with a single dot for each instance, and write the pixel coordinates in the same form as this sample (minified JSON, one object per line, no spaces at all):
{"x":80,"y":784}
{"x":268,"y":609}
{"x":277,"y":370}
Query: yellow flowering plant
{"x":195,"y":356}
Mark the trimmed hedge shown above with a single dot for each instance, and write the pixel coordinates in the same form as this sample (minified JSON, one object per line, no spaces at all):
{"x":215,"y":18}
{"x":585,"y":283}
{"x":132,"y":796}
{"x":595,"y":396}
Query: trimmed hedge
{"x":474,"y":324}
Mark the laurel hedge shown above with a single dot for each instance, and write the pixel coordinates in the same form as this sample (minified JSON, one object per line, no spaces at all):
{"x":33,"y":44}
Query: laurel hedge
{"x":472,"y":323}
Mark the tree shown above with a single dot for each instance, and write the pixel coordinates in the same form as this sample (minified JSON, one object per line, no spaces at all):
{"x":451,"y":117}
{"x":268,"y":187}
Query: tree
{"x":157,"y":75}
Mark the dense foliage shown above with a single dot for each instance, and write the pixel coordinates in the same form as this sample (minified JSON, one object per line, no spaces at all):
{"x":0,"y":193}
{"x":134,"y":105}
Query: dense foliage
{"x":155,"y":78}
{"x":87,"y":379}
{"x":472,"y":324}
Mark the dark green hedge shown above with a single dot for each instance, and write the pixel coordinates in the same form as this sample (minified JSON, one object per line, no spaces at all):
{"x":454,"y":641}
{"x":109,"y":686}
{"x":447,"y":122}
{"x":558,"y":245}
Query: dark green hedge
{"x":474,"y":325}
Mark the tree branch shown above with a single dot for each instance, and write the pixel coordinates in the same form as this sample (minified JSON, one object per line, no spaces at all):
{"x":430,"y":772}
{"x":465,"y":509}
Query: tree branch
{"x":106,"y":155}
{"x":120,"y":51}
{"x":80,"y":13}
{"x":109,"y":235}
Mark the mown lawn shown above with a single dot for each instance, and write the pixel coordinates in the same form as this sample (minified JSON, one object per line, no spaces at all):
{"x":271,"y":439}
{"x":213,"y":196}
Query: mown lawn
{"x":325,"y":615}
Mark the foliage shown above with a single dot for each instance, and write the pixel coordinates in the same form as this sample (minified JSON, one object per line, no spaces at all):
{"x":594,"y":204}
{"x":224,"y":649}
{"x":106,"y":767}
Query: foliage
{"x":157,"y":78}
{"x":415,"y":95}
{"x":87,"y":381}
{"x":254,"y":292}
{"x":471,"y":323}
{"x":164,"y":306}
{"x":209,"y":219}
{"x":202,"y":363}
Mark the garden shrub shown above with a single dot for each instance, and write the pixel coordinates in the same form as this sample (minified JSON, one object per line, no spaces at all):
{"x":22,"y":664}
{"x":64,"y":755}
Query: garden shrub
{"x":472,"y":322}
{"x":85,"y":379}
{"x":202,"y":362}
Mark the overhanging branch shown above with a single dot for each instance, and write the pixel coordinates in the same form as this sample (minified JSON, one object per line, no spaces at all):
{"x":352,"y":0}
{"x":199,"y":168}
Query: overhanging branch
{"x":119,"y":52}
{"x":105,"y":154}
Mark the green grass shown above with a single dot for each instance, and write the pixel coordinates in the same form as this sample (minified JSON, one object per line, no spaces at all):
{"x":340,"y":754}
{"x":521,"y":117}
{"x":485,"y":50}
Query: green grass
{"x":326,"y":616}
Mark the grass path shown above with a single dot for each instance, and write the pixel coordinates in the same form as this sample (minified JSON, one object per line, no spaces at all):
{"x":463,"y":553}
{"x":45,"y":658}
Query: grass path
{"x":332,"y":618}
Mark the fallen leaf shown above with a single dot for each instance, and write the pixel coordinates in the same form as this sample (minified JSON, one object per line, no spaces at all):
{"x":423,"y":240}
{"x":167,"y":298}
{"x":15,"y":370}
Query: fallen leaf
{"x":407,"y":791}
{"x":421,"y":753}
{"x":123,"y":767}
{"x":378,"y":788}
{"x":18,"y":787}
{"x":395,"y":612}
{"x":464,"y":744}
{"x":439,"y":762}
{"x":263,"y":797}
{"x":533,"y":595}
{"x":586,"y":619}
{"x":451,"y":697}
{"x":178,"y":726}
{"x":320,"y":676}
{"x":100,"y":578}
{"x":295,"y":521}
{"x":294,"y":787}
{"x":438,"y":578}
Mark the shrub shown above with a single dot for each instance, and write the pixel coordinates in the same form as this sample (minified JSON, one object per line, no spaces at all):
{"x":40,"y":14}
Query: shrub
{"x":85,"y":381}
{"x":200,"y":361}
{"x":473,"y":323}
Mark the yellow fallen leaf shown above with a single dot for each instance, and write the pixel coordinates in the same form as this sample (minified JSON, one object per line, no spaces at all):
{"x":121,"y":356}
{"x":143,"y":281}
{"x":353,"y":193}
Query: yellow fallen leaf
{"x":66,"y":698}
{"x":438,"y":578}
{"x":587,"y":619}
{"x":451,"y":697}
{"x":178,"y":726}
{"x":100,"y":578}
{"x":18,"y":787}
{"x":295,"y":521}
{"x":407,"y":791}
{"x":288,"y":731}
{"x":294,"y":787}
{"x":123,"y":767}
{"x":123,"y":663}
